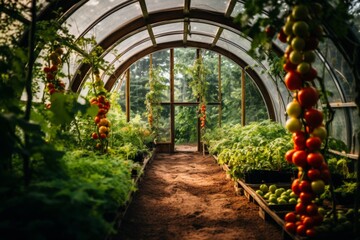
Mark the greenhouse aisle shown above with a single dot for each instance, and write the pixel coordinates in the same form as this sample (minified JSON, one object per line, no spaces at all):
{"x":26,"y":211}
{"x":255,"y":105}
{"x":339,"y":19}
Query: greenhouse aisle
{"x":187,"y":196}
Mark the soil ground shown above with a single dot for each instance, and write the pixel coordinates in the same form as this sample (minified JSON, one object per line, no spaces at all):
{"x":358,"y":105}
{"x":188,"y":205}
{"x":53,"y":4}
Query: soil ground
{"x":187,"y":196}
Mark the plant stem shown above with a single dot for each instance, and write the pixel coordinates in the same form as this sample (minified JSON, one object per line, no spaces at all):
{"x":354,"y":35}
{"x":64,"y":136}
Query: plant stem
{"x":28,"y":84}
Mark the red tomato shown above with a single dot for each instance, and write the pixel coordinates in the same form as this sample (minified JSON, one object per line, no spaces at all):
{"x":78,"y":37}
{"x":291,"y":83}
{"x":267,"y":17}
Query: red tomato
{"x":315,"y":159}
{"x":50,"y":86}
{"x":310,"y":232}
{"x":308,"y":97}
{"x":52,"y":91}
{"x":270,"y":31}
{"x":306,"y":198}
{"x":299,"y":158}
{"x":293,"y":80}
{"x":290,"y":217}
{"x":295,"y":186}
{"x":290,"y":227}
{"x":49,"y":76}
{"x":282,"y":36}
{"x":289,"y":66}
{"x":300,"y":208}
{"x":325,"y":175}
{"x":313,"y":143}
{"x":311,"y":75}
{"x":305,"y":186}
{"x":318,"y":218}
{"x":94,"y":135}
{"x":101,"y":98}
{"x":53,"y":68}
{"x":102,"y":135}
{"x":314,"y":174}
{"x":311,"y":209}
{"x":313,"y":118}
{"x":301,"y":230}
{"x":46,"y":69}
{"x":97,"y":119}
{"x":289,"y":154}
{"x":308,"y":222}
{"x":299,"y":139}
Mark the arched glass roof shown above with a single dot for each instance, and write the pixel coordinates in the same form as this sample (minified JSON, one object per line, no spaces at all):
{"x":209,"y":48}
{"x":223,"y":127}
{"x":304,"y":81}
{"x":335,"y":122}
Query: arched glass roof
{"x":130,"y":29}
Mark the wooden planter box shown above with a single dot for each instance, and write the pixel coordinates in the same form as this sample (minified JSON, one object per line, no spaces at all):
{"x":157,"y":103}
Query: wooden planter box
{"x":268,"y":176}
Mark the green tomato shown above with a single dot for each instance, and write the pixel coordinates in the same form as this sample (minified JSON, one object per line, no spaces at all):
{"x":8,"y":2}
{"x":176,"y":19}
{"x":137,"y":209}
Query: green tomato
{"x":261,"y":193}
{"x":272,"y":188}
{"x":264,"y":188}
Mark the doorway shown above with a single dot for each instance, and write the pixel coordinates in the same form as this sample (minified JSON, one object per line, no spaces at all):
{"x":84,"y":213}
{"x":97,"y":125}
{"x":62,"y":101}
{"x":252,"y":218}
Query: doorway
{"x":186,"y":123}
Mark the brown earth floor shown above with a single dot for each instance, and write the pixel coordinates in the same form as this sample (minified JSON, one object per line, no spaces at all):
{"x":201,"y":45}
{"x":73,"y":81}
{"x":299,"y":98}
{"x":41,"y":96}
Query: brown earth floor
{"x":187,"y":196}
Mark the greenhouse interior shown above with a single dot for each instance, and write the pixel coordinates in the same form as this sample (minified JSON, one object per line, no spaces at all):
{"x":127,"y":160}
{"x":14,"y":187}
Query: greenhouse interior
{"x":179,"y":119}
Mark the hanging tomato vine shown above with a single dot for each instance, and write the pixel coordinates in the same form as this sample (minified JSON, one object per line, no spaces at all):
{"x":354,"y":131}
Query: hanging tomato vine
{"x":308,"y":123}
{"x":53,"y":82}
{"x":102,"y":124}
{"x":199,"y":88}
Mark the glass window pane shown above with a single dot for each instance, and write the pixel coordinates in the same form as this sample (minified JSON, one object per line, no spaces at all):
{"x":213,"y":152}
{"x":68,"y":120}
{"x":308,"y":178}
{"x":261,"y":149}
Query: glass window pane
{"x":161,"y":63}
{"x":139,"y":78}
{"x":271,"y":86}
{"x":183,"y":58}
{"x":210,"y":60}
{"x":355,"y":130}
{"x":114,"y":21}
{"x":237,"y":39}
{"x":164,"y":124}
{"x":338,"y":127}
{"x":156,"y":5}
{"x":341,"y":69}
{"x":212,"y":5}
{"x":123,"y":45}
{"x":196,"y":27}
{"x":239,"y":8}
{"x":200,"y":38}
{"x":165,"y":28}
{"x":83,"y":17}
{"x":186,"y":118}
{"x":134,"y":50}
{"x":231,"y":91}
{"x":255,"y":108}
{"x":170,"y":38}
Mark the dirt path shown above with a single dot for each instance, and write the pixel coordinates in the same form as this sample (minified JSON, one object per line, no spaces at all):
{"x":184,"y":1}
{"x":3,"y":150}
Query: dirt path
{"x":186,"y":196}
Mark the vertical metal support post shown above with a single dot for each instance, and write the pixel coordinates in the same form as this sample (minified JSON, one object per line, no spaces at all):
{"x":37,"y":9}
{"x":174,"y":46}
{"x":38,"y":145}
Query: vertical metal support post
{"x":128,"y":95}
{"x":172,"y":106}
{"x":198,"y":56}
{"x":243,"y":116}
{"x":219,"y":93}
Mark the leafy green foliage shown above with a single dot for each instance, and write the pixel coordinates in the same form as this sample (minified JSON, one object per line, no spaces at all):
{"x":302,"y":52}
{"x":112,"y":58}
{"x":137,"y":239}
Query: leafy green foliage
{"x":259,"y":145}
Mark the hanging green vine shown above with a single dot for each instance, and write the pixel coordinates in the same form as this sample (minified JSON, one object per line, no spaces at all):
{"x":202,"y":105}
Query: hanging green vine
{"x":153,"y":100}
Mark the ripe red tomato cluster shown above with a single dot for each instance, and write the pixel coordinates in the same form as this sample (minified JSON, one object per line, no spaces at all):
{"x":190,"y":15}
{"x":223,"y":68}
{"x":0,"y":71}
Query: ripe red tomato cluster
{"x":54,"y":84}
{"x":101,"y":122}
{"x":202,"y":115}
{"x":302,"y":32}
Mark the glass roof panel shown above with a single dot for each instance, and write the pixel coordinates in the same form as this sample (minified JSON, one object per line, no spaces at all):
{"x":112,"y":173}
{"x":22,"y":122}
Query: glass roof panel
{"x":156,"y":5}
{"x":131,"y":52}
{"x":212,"y":5}
{"x":239,"y":8}
{"x":203,"y":28}
{"x":169,"y":38}
{"x":236,"y":38}
{"x":200,"y":38}
{"x":83,"y":17}
{"x":178,"y":26}
{"x":115,"y":20}
{"x":123,"y":45}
